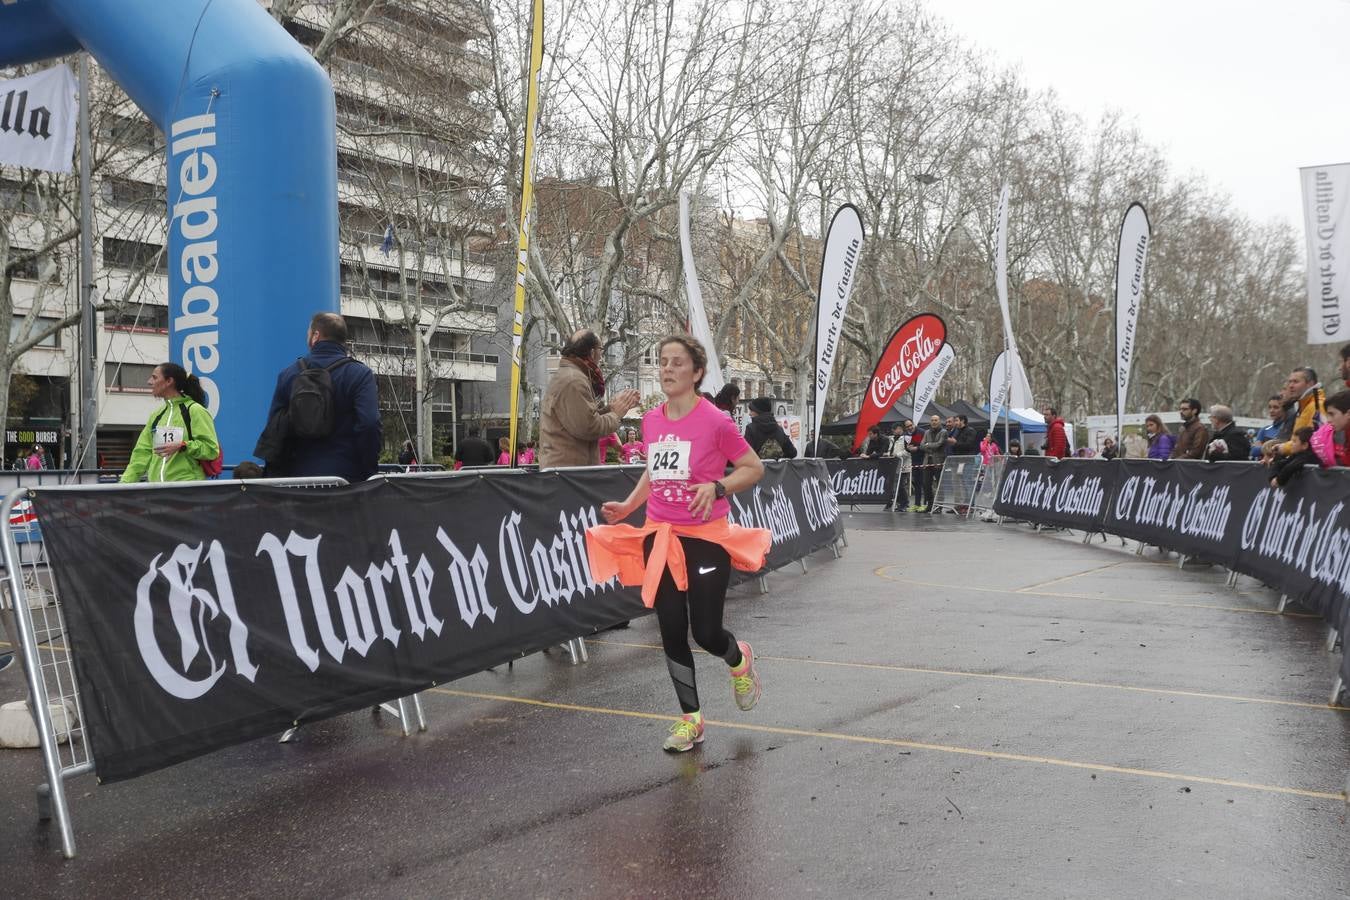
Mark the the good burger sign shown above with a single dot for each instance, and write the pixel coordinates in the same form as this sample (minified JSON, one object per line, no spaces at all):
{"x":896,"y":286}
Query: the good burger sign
{"x":914,"y":345}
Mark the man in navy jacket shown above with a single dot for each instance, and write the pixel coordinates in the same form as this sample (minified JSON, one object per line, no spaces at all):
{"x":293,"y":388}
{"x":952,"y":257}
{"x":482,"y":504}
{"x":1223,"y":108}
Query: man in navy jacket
{"x":352,"y":451}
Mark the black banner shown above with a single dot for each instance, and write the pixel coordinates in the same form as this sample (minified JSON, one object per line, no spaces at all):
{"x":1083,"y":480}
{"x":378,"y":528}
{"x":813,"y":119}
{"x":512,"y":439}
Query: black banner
{"x":1070,"y":493}
{"x":1295,"y":539}
{"x":204,"y":616}
{"x":862,"y":480}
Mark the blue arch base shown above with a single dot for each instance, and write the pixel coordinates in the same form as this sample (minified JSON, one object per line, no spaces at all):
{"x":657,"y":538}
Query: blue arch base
{"x":250,"y":123}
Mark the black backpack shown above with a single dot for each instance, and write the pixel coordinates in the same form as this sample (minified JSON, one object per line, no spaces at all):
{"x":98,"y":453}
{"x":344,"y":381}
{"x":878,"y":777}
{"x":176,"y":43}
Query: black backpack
{"x":311,"y":412}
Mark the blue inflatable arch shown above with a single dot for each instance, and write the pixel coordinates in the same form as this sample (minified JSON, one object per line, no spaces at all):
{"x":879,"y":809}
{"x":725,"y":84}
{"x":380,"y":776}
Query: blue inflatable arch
{"x":249,"y":120}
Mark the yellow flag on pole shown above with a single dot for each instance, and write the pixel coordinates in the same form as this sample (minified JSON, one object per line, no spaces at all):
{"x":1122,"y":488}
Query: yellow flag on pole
{"x":526,"y":202}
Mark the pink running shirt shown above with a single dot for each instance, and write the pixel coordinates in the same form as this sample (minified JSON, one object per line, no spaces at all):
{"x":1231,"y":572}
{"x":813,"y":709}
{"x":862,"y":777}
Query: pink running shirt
{"x":634,"y":452}
{"x":714,"y":440}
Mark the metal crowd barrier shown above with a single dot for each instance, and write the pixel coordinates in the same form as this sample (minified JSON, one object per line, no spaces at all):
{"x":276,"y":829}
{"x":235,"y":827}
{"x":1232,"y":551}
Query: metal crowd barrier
{"x":955,"y":488}
{"x":986,"y":486}
{"x":33,"y":619}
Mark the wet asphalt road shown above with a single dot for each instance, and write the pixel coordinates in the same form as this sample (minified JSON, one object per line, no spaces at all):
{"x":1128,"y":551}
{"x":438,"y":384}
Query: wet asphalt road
{"x":952,"y":710}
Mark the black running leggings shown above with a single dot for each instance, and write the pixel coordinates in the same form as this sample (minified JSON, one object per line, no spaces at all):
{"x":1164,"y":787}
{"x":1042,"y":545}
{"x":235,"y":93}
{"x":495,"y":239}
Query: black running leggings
{"x":699,"y":609}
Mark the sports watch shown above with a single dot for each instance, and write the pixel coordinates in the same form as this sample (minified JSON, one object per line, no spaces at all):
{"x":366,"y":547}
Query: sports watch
{"x":719,"y":489}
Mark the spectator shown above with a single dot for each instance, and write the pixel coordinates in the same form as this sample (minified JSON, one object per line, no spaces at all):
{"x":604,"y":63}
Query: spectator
{"x":1109,"y":449}
{"x":407,"y":456}
{"x":1285,"y":466}
{"x":179,"y":437}
{"x":574,"y":414}
{"x":989,"y":448}
{"x":967,"y":439}
{"x":474,"y":451}
{"x":727,"y":398}
{"x":877,"y":445}
{"x":1014,"y":448}
{"x":1308,"y":408}
{"x":351,"y":448}
{"x":503,"y":451}
{"x":1275,"y":409}
{"x":1160,"y":440}
{"x":1194,"y":435}
{"x":764,"y":427}
{"x":1331,"y":442}
{"x":1056,"y":438}
{"x":247,"y":469}
{"x":824,"y":449}
{"x":1345,"y":365}
{"x":1229,"y":443}
{"x":34,"y":458}
{"x":916,"y":457}
{"x":904,"y":471}
{"x":1133,"y":446}
{"x":934,"y":447}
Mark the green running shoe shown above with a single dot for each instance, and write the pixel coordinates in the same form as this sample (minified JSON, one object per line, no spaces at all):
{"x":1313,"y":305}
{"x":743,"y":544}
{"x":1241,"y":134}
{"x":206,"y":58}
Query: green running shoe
{"x":745,"y":687}
{"x":684,"y":734}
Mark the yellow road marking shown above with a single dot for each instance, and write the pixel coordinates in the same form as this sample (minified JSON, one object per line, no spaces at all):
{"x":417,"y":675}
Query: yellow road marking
{"x":909,"y":745}
{"x":1032,"y":679}
{"x":1029,"y":588}
{"x":60,"y":647}
{"x":880,"y":572}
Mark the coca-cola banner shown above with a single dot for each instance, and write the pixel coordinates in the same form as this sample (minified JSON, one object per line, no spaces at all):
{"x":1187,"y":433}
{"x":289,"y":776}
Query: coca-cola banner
{"x":914,"y":345}
{"x":860,"y":481}
{"x":1295,"y":538}
{"x":202,"y":616}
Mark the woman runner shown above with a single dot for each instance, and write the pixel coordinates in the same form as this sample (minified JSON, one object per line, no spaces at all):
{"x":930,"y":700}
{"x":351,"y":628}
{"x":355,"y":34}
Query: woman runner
{"x":682,"y":557}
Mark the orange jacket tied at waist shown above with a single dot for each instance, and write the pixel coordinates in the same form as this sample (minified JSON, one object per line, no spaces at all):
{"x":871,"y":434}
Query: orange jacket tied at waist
{"x":617,"y":550}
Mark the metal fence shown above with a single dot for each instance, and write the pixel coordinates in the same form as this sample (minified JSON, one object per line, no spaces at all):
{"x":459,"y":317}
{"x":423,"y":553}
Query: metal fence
{"x":986,"y":486}
{"x":32,"y":615}
{"x":956,"y":485}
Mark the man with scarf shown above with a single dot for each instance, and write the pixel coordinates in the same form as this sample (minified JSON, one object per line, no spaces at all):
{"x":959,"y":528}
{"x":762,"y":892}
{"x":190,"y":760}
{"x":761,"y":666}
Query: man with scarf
{"x":574,"y":415}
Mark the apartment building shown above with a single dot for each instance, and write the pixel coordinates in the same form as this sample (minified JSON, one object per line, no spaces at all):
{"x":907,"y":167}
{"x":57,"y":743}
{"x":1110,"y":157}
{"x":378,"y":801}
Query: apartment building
{"x":410,"y":124}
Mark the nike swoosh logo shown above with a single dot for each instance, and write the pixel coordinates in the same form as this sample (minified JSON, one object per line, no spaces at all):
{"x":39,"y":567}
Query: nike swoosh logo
{"x":703,"y":571}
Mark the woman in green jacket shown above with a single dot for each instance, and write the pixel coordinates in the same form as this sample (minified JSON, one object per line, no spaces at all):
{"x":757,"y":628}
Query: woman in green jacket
{"x":180,"y":436}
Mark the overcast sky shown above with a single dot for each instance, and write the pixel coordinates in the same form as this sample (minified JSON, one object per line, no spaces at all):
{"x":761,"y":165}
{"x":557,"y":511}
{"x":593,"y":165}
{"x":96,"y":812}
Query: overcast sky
{"x":1242,"y":92}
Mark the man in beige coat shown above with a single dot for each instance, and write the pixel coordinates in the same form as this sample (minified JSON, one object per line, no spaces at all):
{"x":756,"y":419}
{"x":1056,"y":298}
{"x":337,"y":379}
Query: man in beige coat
{"x":574,"y":414}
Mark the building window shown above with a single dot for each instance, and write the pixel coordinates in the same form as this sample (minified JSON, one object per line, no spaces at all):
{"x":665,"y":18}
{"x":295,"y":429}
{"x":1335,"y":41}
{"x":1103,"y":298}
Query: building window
{"x":133,"y":255}
{"x":148,"y":317}
{"x":34,"y":267}
{"x":128,"y":192}
{"x":129,"y":377}
{"x":51,"y":341}
{"x":20,"y":197}
{"x":132,"y":134}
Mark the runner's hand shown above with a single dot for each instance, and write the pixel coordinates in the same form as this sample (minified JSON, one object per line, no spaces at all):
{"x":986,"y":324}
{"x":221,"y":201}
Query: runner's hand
{"x":169,"y":450}
{"x":701,"y":505}
{"x":614,"y":512}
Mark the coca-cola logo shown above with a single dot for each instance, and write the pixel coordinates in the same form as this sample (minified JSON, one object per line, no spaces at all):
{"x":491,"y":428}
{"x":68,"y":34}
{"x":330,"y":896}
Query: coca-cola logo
{"x":913,"y":347}
{"x":914,"y":352}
